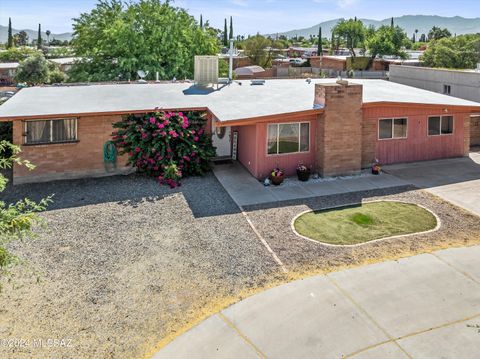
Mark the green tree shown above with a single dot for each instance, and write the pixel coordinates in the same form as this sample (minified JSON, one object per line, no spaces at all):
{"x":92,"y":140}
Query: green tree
{"x":225,"y":34}
{"x":437,"y":33}
{"x":39,"y":37}
{"x":33,"y":70}
{"x":352,"y":32}
{"x":117,"y":39}
{"x":260,"y":50}
{"x":319,"y":42}
{"x":17,"y":54}
{"x":461,"y":52}
{"x":20,"y":39}
{"x":10,"y":36}
{"x":423,"y":38}
{"x":201,"y":21}
{"x":230,"y":35}
{"x":16,"y":219}
{"x":386,"y":41}
{"x":392,"y":25}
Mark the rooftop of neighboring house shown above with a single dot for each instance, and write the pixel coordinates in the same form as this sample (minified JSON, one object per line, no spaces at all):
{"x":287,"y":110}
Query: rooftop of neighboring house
{"x":8,"y":65}
{"x":239,"y":101}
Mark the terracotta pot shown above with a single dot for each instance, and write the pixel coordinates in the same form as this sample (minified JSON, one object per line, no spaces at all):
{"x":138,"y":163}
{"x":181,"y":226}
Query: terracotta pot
{"x":276,"y":180}
{"x":303,"y":175}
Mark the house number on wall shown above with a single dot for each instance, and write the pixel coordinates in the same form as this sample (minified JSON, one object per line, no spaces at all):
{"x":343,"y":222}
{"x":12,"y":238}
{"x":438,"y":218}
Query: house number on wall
{"x":234,"y":145}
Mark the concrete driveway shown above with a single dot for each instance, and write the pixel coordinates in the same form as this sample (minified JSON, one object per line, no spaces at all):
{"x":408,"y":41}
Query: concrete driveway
{"x":426,"y":306}
{"x":456,"y":180}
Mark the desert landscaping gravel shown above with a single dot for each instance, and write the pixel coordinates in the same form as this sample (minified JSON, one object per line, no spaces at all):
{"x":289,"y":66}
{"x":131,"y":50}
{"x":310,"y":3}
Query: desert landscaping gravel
{"x":458,"y":227}
{"x":124,"y":264}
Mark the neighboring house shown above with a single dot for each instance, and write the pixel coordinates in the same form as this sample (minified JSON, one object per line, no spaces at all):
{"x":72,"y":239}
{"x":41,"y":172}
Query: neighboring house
{"x":7,"y":72}
{"x":336,"y":128}
{"x":8,"y":69}
{"x":65,"y":63}
{"x":459,"y":83}
{"x":301,"y":51}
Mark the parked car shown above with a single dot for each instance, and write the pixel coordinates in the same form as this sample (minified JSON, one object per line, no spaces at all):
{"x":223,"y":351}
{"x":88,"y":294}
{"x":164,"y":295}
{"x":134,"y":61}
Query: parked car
{"x":297,"y":61}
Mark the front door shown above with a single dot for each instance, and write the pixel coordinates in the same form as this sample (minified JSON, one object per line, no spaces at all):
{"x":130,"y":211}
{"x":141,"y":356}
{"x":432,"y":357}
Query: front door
{"x":222,"y":141}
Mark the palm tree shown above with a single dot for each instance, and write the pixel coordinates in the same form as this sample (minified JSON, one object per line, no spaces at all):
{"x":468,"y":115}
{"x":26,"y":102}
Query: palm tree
{"x":48,"y":36}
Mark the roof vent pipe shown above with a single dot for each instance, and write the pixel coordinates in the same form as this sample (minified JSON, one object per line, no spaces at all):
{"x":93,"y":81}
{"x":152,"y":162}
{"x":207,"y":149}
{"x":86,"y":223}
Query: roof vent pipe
{"x":230,"y":62}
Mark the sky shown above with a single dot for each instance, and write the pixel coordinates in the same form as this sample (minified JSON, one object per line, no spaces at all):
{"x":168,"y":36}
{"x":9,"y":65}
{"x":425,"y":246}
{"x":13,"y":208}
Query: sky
{"x":249,"y":16}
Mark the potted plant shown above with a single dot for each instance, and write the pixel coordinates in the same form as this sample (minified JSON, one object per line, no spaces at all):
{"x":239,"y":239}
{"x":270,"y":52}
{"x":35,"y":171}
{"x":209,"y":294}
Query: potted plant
{"x":303,"y":172}
{"x":276,"y":176}
{"x":376,"y":167}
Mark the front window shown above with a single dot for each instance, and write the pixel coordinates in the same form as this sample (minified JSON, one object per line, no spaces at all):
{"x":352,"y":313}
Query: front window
{"x":288,"y":138}
{"x":50,"y":131}
{"x":440,"y":125}
{"x":392,"y":128}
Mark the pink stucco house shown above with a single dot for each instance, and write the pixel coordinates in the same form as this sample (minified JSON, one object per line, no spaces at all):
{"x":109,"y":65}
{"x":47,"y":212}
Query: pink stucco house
{"x":333,"y":127}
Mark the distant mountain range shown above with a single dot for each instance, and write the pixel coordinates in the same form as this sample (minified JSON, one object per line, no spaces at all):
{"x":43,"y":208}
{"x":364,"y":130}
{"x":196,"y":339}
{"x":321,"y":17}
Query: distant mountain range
{"x":32,"y":34}
{"x":423,"y":23}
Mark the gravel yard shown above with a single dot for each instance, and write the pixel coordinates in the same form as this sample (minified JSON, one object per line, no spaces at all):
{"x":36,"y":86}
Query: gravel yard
{"x":303,"y":257}
{"x":124,"y":263}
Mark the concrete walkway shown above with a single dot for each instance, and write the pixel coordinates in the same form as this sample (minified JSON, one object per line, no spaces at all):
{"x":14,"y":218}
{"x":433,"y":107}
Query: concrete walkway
{"x":246,"y":190}
{"x":426,"y":306}
{"x":456,"y":180}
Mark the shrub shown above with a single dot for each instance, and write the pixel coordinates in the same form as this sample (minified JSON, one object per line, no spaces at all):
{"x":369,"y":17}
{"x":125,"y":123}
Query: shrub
{"x":33,"y":70}
{"x":16,"y":219}
{"x":165,"y":145}
{"x":56,"y":76}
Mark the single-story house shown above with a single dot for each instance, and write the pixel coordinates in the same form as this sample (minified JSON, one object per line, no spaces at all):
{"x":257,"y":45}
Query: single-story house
{"x":334,"y":127}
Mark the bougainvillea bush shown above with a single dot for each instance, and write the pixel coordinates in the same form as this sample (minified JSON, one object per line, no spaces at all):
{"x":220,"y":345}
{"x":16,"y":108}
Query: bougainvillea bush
{"x":166,"y":145}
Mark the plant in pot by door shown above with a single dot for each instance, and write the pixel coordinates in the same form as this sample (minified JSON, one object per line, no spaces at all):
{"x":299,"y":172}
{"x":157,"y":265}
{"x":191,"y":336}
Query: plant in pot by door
{"x":303,"y":172}
{"x":276,"y":176}
{"x":376,"y":167}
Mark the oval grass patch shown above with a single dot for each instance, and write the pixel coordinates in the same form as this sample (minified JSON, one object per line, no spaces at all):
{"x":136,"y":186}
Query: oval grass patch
{"x":364,"y":222}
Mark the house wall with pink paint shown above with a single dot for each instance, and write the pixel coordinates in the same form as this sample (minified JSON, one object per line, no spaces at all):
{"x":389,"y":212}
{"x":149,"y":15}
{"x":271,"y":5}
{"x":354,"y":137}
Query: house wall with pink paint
{"x":418,"y":145}
{"x":252,"y":148}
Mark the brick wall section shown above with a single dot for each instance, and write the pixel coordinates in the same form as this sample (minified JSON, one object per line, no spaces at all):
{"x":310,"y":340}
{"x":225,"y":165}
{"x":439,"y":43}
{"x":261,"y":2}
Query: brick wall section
{"x":475,"y":131}
{"x":339,"y":134}
{"x":328,"y":62}
{"x":69,"y":160}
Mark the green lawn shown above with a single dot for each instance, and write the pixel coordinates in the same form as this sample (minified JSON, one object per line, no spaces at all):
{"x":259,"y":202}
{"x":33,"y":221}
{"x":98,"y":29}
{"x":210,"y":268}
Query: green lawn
{"x":365,"y":222}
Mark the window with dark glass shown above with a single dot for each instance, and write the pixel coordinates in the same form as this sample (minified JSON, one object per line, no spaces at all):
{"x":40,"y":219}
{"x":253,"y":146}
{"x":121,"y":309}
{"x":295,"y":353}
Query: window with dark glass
{"x":440,"y":125}
{"x":392,"y":128}
{"x":288,"y":138}
{"x":50,"y":131}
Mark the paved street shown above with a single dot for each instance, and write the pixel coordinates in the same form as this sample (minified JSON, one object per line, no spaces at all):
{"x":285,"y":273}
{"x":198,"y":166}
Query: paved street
{"x":426,"y":306}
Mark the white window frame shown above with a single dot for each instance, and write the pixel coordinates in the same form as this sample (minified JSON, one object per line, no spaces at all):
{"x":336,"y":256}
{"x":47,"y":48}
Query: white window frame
{"x":393,"y":128}
{"x":278,"y":137}
{"x":25,"y":129}
{"x":441,"y":119}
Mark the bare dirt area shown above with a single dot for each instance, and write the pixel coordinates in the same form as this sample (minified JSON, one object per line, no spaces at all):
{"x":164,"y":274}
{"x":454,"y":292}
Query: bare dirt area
{"x":303,"y":257}
{"x":125,"y":263}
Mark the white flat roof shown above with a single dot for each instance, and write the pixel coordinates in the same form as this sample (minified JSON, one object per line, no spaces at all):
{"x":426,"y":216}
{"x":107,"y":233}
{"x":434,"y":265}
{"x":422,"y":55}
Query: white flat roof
{"x":232,"y":102}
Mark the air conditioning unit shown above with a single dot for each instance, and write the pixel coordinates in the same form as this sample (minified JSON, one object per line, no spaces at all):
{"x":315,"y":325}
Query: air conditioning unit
{"x":206,"y":70}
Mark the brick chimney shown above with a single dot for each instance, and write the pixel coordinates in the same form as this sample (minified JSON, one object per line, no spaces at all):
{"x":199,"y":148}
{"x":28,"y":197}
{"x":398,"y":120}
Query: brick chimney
{"x":339,"y":130}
